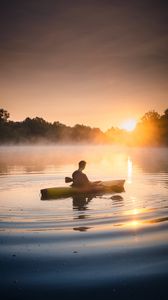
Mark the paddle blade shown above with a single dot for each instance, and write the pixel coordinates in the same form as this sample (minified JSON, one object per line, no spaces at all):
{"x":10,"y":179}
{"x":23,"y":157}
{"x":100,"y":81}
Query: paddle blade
{"x":68,"y":179}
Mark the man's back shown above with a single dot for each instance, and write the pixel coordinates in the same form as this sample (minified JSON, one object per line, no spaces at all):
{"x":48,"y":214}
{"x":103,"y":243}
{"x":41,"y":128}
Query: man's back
{"x":80,"y":179}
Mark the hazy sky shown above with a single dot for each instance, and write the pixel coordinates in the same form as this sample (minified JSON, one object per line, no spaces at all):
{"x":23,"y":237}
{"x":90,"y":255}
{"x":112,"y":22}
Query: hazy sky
{"x":96,"y":62}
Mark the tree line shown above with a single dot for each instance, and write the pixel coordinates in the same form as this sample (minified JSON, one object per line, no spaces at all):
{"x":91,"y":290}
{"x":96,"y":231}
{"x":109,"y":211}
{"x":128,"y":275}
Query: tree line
{"x":151,"y":130}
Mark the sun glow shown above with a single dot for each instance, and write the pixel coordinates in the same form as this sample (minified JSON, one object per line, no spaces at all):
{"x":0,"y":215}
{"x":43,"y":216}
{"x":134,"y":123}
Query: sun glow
{"x":129,"y":125}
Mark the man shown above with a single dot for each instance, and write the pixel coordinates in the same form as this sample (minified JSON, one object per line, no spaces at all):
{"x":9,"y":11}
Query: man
{"x":80,"y":179}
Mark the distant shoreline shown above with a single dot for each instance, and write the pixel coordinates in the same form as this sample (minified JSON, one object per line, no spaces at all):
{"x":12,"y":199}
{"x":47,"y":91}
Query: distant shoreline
{"x":150,"y":131}
{"x":81,"y":144}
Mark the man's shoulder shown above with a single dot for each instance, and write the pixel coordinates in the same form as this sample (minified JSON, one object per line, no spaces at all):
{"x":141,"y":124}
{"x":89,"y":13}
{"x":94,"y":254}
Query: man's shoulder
{"x":77,"y":172}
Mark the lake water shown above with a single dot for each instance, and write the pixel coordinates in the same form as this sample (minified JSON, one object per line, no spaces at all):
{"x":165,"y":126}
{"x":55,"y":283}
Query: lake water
{"x":111,"y":246}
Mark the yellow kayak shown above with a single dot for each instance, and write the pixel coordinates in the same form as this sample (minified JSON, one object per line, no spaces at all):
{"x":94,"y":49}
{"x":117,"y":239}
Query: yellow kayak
{"x":116,"y":186}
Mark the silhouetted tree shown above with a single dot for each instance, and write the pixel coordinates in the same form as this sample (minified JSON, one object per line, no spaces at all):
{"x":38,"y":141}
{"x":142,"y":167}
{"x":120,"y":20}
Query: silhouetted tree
{"x":150,"y":130}
{"x":81,"y":133}
{"x":150,"y":116}
{"x":4,"y":130}
{"x":165,"y":116}
{"x":4,"y":115}
{"x":163,"y":127}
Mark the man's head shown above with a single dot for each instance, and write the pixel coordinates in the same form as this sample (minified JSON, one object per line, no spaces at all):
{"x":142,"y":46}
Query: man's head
{"x":82,"y":164}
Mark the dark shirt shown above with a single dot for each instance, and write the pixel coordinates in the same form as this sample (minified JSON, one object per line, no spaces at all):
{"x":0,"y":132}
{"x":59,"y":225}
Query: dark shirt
{"x":80,"y":179}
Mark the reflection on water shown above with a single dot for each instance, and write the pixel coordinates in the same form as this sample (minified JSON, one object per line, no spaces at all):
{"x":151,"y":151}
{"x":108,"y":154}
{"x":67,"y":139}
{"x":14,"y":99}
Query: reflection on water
{"x":82,"y":229}
{"x":80,"y":202}
{"x":129,"y":173}
{"x":117,"y":200}
{"x":112,"y":237}
{"x":26,"y":170}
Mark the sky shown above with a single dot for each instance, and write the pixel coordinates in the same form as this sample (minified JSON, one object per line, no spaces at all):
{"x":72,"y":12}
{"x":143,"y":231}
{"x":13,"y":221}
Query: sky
{"x":92,"y":62}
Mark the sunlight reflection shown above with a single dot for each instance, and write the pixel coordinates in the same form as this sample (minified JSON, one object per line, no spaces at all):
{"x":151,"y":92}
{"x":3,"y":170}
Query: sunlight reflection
{"x":129,"y":170}
{"x":137,"y":211}
{"x":134,"y":223}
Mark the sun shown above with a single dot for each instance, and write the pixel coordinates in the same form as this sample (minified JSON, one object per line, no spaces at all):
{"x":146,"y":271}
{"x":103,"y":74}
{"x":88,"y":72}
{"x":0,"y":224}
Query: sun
{"x":129,"y":125}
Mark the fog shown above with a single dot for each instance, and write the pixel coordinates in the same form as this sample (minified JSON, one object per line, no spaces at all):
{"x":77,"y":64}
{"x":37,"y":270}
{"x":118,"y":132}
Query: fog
{"x":103,"y":160}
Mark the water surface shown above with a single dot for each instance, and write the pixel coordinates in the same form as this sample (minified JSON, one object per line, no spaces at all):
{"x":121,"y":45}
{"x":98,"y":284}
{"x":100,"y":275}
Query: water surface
{"x":107,"y":245}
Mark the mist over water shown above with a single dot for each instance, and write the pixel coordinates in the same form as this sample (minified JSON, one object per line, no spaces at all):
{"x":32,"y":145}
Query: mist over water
{"x":113,"y":238}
